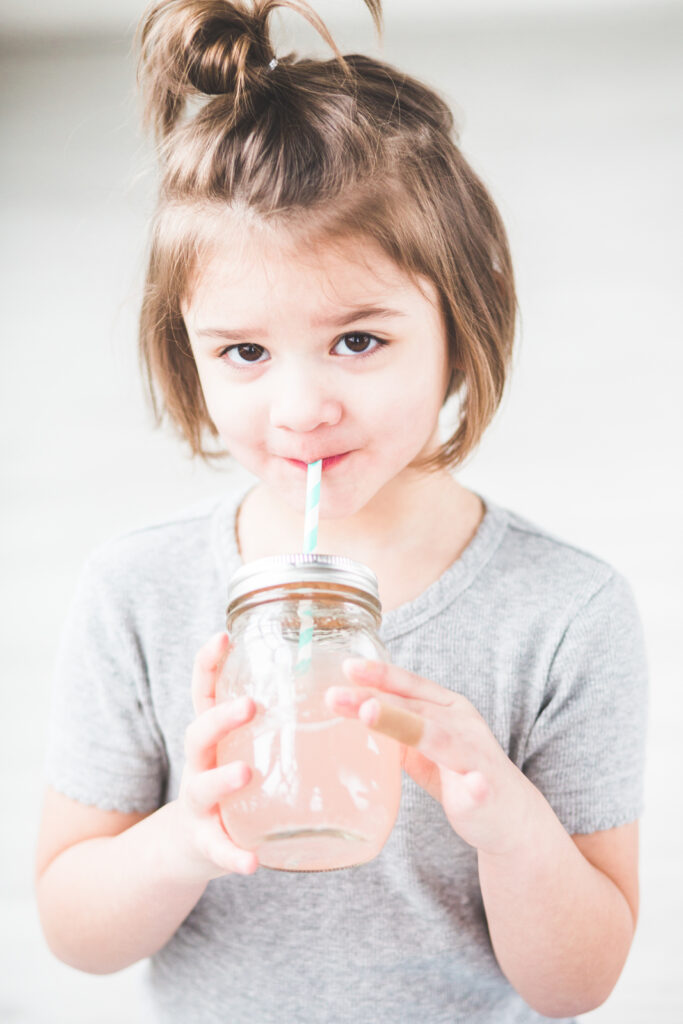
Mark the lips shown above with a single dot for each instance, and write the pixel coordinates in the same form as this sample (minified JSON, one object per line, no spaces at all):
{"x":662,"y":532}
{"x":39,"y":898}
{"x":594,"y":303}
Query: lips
{"x":328,"y":461}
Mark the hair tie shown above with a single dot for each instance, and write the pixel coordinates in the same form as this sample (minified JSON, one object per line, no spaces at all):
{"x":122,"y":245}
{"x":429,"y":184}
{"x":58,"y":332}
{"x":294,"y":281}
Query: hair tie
{"x":273,"y":64}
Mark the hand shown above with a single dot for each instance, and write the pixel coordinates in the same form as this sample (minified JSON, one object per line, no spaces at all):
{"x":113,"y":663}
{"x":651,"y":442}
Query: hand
{"x":208,"y":850}
{"x":447,"y":748}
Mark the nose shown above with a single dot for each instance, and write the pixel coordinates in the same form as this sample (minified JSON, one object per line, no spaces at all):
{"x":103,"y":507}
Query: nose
{"x":301,"y":401}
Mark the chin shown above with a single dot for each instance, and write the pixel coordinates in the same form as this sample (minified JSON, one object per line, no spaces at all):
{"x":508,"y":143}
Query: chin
{"x":332,"y":506}
{"x":342,"y":506}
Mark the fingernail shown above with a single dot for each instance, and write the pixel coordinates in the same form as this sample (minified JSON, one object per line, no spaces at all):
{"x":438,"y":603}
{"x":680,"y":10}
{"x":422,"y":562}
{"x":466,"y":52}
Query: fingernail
{"x":369,"y":711}
{"x":239,"y":773}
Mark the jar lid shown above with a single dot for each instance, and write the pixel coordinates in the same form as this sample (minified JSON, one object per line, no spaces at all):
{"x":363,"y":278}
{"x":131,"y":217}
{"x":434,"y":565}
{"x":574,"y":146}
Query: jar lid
{"x":279,"y":570}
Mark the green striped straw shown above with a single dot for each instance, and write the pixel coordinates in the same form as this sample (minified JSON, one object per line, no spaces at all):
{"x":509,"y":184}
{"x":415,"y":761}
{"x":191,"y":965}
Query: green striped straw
{"x":313,"y":479}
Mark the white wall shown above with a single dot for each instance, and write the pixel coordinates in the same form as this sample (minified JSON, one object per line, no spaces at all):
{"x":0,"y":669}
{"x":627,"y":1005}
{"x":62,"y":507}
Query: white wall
{"x":34,"y":16}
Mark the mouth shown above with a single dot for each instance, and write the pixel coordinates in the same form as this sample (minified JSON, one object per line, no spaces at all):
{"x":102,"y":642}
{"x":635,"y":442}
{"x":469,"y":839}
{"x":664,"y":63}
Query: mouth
{"x":328,"y":463}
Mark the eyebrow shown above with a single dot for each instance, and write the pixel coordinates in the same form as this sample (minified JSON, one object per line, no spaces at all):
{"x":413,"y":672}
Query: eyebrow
{"x":338,"y":320}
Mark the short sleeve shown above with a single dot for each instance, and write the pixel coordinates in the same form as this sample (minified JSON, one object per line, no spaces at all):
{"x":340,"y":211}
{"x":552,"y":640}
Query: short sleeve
{"x":104,"y":746}
{"x":586,"y":748}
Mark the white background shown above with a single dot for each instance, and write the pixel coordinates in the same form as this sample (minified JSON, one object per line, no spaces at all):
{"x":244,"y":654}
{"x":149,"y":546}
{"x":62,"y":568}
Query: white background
{"x":39,"y":16}
{"x":573,"y":117}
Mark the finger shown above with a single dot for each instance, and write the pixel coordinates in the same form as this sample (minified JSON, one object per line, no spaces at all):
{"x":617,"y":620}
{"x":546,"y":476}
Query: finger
{"x":218,"y":847}
{"x":385,"y":713}
{"x":346,"y":700}
{"x":207,"y":666}
{"x":397,"y":680}
{"x":205,"y":789}
{"x":464,"y":792}
{"x":477,"y":786}
{"x":392,"y":721}
{"x":422,"y":770}
{"x":382,"y":716}
{"x":211,"y":726}
{"x":438,"y":742}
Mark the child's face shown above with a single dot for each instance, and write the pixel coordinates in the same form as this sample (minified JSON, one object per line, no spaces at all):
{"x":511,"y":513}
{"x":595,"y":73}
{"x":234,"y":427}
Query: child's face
{"x":288,"y":352}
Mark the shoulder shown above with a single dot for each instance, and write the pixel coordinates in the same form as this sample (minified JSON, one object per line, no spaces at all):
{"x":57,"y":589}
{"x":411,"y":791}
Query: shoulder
{"x":573,"y":604}
{"x":159,"y":577}
{"x":551,"y":571}
{"x":551,"y":590}
{"x":168,"y":542}
{"x":165,"y":563}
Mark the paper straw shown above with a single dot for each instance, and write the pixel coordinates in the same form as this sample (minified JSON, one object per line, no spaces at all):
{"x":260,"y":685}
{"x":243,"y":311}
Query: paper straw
{"x":313,"y":479}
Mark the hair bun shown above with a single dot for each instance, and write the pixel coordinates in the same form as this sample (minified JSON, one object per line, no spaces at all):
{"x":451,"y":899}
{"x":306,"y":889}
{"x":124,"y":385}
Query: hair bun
{"x":221,"y":48}
{"x":212,"y":47}
{"x":199,"y":47}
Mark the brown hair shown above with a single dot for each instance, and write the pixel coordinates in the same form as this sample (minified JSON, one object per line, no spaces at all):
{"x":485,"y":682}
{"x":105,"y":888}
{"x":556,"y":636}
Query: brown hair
{"x":343,"y":147}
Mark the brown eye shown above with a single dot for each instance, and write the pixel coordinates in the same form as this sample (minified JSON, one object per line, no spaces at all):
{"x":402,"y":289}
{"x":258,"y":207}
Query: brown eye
{"x":360,"y":344}
{"x":241,"y":354}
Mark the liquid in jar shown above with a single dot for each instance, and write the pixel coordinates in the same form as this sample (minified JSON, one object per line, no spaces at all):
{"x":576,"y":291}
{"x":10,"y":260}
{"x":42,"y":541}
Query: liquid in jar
{"x":324,"y":791}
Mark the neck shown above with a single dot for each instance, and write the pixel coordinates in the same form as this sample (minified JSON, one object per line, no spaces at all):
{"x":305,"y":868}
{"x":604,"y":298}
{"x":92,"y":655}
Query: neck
{"x":424,"y":525}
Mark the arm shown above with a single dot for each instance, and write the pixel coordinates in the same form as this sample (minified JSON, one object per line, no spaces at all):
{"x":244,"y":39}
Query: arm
{"x":117,"y":891}
{"x":112,"y":888}
{"x":560,"y":925}
{"x":562,"y":913}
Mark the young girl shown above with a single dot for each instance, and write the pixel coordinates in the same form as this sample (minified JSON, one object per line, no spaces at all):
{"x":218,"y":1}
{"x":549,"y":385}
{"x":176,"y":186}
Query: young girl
{"x":326,"y":270}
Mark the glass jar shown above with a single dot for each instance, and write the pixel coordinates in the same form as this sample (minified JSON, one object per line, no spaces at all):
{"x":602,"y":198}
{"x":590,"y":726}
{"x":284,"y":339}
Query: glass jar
{"x":325,"y":790}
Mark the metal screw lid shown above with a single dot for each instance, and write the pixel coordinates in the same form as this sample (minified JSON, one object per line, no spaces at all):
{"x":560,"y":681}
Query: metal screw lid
{"x":279,"y":570}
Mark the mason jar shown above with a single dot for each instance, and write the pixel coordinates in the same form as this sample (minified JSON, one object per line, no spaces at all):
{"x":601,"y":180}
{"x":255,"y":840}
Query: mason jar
{"x":325,"y":790}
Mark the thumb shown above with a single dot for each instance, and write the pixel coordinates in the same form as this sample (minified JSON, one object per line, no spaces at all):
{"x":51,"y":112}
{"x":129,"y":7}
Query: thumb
{"x":207,"y":668}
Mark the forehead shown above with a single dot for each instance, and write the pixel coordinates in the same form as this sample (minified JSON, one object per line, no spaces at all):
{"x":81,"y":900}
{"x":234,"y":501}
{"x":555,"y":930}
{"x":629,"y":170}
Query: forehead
{"x":266,"y":267}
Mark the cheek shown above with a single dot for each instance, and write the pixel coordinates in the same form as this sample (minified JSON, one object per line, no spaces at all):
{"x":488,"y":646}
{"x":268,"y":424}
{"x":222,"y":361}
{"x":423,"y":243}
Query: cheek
{"x":406,"y":411}
{"x":233,"y":416}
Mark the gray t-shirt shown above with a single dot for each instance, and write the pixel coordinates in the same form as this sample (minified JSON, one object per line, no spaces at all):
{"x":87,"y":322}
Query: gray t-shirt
{"x":542,"y":638}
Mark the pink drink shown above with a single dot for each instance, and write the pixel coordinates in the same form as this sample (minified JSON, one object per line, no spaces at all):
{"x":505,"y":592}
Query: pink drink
{"x":324,"y":791}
